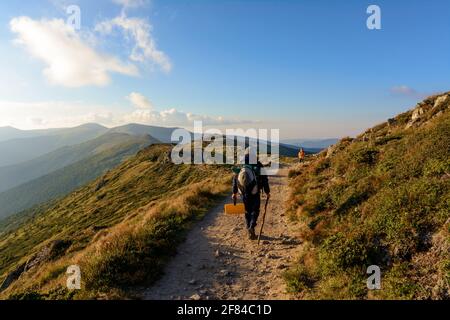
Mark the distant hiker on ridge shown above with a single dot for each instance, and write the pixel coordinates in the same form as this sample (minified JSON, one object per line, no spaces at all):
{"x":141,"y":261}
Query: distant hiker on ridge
{"x":249,"y":183}
{"x":301,"y":155}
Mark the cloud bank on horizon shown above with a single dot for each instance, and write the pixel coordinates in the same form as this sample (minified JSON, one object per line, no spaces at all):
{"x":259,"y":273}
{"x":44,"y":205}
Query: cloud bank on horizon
{"x":145,"y":113}
{"x":141,"y":110}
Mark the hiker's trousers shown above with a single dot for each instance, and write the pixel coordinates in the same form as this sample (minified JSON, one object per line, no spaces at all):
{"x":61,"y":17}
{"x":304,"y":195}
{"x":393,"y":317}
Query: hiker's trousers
{"x":252,"y":208}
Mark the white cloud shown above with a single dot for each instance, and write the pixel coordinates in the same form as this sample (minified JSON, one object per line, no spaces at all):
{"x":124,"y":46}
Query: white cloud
{"x":145,"y":114}
{"x":403,"y":90}
{"x":406,"y":91}
{"x":56,"y":114}
{"x":170,"y":117}
{"x":69,"y":60}
{"x":139,"y":101}
{"x":37,"y":122}
{"x":140,"y":31}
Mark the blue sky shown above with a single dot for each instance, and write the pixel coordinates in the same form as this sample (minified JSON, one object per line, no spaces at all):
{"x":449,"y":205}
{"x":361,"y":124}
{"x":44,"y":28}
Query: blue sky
{"x":310,"y":68}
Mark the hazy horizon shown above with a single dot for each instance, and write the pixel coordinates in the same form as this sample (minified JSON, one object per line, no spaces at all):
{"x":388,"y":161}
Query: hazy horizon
{"x":283,"y":140}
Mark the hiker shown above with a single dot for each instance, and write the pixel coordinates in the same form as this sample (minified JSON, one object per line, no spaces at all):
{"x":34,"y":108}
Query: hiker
{"x":250,"y":184}
{"x":301,"y":155}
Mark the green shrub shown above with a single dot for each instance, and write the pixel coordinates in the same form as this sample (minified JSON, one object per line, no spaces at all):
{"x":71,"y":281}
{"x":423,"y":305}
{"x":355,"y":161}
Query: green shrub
{"x":386,"y":139}
{"x":28,"y":296}
{"x":339,"y":252}
{"x":321,"y":166}
{"x":436,"y":168}
{"x":354,"y":195}
{"x":55,"y":294}
{"x":298,"y":279}
{"x":366,"y":156}
{"x":398,"y":284}
{"x":53,"y":273}
{"x":316,"y":203}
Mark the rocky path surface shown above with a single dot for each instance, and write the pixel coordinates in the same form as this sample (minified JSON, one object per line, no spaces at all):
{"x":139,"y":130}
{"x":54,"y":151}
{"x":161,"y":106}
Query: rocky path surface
{"x":217,"y":261}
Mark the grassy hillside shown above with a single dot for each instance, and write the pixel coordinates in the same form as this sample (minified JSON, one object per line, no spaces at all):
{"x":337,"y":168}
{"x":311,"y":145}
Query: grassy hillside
{"x":120,"y":229}
{"x":21,"y":150}
{"x":107,"y":152}
{"x":380,"y":199}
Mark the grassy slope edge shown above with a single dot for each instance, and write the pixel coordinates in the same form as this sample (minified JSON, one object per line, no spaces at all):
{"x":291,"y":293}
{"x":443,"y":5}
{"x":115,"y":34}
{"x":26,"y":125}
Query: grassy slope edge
{"x":380,"y":199}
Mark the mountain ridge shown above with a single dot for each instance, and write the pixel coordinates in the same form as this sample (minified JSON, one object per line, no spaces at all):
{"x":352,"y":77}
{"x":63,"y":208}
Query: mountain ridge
{"x":19,"y":150}
{"x":14,"y":175}
{"x":11,"y":133}
{"x":75,"y":173}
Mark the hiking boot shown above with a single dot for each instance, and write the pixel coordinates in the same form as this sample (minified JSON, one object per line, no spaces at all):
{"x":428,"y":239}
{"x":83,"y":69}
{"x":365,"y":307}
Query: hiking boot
{"x":252,"y":234}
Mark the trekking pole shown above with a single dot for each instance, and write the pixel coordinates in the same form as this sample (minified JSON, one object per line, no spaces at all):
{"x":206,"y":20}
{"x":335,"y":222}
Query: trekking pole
{"x":264,"y":220}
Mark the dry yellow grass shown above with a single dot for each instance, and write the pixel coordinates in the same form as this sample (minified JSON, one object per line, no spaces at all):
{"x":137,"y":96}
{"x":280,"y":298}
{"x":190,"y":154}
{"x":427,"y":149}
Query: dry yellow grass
{"x":142,"y":232}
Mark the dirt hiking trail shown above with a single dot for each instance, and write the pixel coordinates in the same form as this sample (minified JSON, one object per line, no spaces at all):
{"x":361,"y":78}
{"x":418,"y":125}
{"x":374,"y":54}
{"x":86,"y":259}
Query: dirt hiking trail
{"x":217,"y":261}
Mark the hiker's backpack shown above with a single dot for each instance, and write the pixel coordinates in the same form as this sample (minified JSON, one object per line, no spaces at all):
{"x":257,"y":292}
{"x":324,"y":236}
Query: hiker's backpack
{"x":247,"y":181}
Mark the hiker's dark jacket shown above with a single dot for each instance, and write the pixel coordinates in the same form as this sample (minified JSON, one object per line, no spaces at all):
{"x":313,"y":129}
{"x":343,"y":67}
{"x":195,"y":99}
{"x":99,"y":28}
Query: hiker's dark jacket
{"x":263,"y":181}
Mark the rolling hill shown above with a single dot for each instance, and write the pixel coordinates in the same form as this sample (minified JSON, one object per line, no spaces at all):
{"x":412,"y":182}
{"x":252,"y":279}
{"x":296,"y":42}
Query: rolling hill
{"x":19,"y":150}
{"x":15,"y":175}
{"x":10,"y":133}
{"x":110,"y":151}
{"x":380,"y":199}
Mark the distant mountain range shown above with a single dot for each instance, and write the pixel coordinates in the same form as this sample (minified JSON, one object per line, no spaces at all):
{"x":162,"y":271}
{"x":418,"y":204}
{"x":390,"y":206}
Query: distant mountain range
{"x":37,"y":166}
{"x":41,"y":165}
{"x":9,"y":133}
{"x":162,"y":134}
{"x":319,"y":144}
{"x":14,"y":175}
{"x":63,"y":180}
{"x":18,"y":146}
{"x":27,"y":145}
